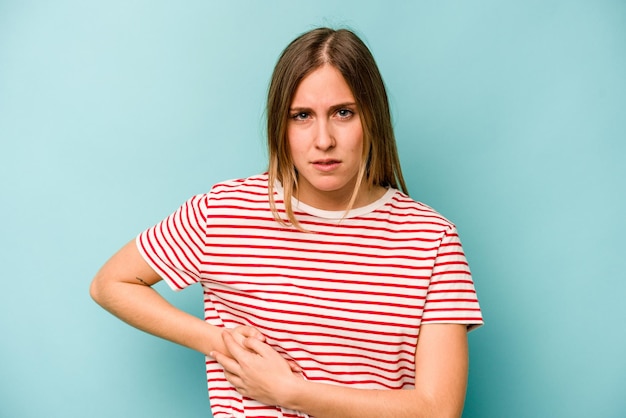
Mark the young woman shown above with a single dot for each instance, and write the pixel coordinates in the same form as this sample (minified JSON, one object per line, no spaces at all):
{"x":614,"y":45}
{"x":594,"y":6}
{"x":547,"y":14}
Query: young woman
{"x":328,"y":292}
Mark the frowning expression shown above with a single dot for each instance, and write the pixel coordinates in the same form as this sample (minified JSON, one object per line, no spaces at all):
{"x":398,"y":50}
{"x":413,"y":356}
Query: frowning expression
{"x":325,"y":137}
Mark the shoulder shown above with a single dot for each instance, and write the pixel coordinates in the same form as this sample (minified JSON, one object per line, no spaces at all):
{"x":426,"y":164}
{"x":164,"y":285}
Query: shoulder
{"x":239,"y":193}
{"x":254,"y":187}
{"x":407,"y":210}
{"x":253,"y":184}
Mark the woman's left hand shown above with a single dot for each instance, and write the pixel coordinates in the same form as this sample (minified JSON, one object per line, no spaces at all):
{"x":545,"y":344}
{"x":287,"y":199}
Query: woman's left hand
{"x":256,"y":370}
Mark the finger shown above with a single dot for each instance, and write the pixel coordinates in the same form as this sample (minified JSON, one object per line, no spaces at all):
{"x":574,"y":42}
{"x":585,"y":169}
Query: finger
{"x":233,"y":379}
{"x":259,"y":347}
{"x":235,"y":348}
{"x":250,"y":332}
{"x":237,"y":383}
{"x":229,"y":365}
{"x":236,"y":335}
{"x":294,"y":366}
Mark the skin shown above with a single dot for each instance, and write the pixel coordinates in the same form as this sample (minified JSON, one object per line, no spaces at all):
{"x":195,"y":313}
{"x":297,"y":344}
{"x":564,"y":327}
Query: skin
{"x":325,"y":135}
{"x":441,"y":360}
{"x":326,"y":138}
{"x":123,"y":286}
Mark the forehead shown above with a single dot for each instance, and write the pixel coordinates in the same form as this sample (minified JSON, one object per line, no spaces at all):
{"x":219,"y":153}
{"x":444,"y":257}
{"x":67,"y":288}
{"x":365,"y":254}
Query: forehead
{"x":323,"y":86}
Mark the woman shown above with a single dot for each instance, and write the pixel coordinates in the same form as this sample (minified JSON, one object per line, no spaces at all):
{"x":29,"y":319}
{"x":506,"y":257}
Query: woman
{"x":328,"y":292}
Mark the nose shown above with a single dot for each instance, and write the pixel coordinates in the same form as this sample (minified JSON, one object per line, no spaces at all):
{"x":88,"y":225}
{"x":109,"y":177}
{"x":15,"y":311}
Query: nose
{"x":325,"y":139}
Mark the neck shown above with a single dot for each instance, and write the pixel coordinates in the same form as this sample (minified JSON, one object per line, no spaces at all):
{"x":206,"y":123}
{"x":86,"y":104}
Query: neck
{"x":339,"y":200}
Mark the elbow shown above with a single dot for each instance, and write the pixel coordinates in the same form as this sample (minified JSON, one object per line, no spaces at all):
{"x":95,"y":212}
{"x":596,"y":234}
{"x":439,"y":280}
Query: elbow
{"x":448,"y":412}
{"x":442,"y":406}
{"x":97,"y":291}
{"x":94,"y":291}
{"x":451,"y":410}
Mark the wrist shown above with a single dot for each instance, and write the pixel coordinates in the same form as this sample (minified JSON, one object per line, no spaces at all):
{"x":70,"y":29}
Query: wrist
{"x":292,"y":393}
{"x":214,"y":341}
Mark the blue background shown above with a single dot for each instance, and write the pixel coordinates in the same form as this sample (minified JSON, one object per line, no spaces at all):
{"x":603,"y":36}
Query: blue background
{"x":510,"y":119}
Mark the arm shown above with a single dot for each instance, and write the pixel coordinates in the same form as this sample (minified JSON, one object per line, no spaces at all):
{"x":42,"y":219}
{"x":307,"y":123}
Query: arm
{"x":441,"y":361}
{"x":123,"y":287}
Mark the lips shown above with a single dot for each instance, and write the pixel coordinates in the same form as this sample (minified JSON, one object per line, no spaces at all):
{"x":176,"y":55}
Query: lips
{"x":326,"y":164}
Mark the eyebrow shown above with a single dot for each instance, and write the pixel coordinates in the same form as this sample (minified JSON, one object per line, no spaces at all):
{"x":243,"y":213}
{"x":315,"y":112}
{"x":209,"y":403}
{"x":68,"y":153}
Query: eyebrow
{"x":333,"y":107}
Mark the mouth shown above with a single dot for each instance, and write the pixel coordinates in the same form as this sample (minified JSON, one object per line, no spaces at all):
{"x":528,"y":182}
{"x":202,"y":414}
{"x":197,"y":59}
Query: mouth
{"x":326,"y":164}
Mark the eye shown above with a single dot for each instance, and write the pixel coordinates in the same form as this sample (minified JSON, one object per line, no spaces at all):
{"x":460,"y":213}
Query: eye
{"x":345,"y":113}
{"x":300,"y":116}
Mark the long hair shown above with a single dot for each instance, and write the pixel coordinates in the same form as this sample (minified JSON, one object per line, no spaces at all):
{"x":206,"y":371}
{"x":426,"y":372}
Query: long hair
{"x":346,"y":52}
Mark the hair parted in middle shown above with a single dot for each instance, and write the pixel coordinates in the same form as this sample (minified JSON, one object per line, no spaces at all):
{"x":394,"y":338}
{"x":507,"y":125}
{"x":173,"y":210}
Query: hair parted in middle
{"x":346,"y":52}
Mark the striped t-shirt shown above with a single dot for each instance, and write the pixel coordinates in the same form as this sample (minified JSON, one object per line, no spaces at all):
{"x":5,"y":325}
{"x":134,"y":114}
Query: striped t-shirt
{"x":344,"y":300}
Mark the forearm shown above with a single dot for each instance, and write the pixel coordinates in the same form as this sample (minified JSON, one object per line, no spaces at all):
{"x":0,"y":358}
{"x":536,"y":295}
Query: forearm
{"x":440,"y":384}
{"x":323,"y":400}
{"x":441,"y":362}
{"x":144,"y":308}
{"x":123,"y":287}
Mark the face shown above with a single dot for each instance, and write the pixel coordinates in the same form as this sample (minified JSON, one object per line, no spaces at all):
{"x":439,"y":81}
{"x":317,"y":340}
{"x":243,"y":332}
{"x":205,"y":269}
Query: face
{"x":326,"y":139}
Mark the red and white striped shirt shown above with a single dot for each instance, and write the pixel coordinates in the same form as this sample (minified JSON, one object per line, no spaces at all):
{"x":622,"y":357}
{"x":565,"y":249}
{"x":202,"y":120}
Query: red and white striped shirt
{"x":345,"y":300}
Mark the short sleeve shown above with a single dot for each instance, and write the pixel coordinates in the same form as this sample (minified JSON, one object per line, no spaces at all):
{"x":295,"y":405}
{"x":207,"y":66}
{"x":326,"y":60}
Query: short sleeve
{"x":451,"y":296}
{"x":174,"y":246}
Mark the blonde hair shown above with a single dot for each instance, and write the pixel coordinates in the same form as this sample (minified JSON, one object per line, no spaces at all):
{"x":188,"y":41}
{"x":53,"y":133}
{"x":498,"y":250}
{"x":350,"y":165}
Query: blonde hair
{"x":346,"y":52}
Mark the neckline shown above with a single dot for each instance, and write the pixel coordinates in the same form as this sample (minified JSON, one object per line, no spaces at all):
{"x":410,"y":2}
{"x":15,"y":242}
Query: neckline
{"x":337,"y":214}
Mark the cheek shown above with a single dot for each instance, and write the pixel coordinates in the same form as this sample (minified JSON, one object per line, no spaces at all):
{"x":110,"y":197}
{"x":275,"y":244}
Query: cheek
{"x":295,"y":143}
{"x":291,"y":141}
{"x":357,"y":140}
{"x":293,"y":137}
{"x":356,"y":133}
